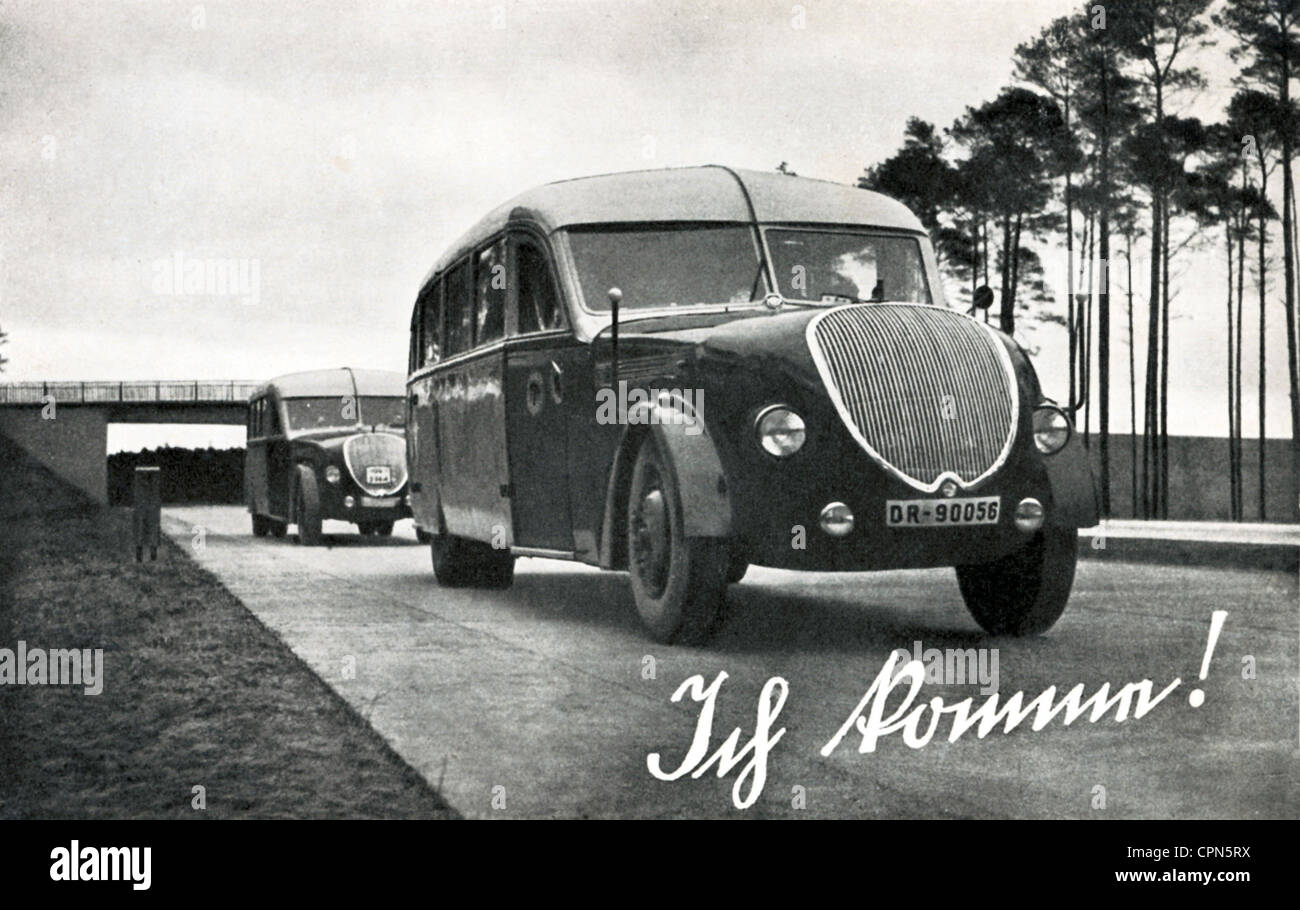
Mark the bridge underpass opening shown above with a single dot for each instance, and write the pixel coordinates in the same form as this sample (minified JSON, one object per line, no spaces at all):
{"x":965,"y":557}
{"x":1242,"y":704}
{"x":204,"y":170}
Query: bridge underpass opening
{"x":201,"y":463}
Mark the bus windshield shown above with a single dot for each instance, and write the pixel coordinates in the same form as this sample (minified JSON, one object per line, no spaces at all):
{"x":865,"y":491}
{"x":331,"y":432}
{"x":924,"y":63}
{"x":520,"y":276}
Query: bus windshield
{"x":345,"y":411}
{"x":667,"y":265}
{"x":383,"y":411}
{"x":847,"y":267}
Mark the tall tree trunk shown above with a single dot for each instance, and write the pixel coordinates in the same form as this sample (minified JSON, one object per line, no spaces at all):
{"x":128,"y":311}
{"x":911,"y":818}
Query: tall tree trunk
{"x":1103,"y":294}
{"x":1069,"y":279}
{"x":1288,"y":265}
{"x":1239,"y":470}
{"x":974,"y":258}
{"x":1090,"y":250}
{"x":984,"y":259}
{"x":1132,"y":376}
{"x":1232,"y":416}
{"x":1263,"y":320}
{"x":1164,"y":369}
{"x":1151,"y":451}
{"x":1149,"y":503}
{"x":1007,"y":318}
{"x":1015,"y":261}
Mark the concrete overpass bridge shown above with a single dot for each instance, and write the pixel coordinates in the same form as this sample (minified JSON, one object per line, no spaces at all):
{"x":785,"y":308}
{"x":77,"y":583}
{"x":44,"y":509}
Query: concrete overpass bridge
{"x":65,"y":424}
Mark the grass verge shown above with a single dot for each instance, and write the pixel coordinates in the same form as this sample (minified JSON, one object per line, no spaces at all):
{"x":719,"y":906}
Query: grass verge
{"x":197,"y":693}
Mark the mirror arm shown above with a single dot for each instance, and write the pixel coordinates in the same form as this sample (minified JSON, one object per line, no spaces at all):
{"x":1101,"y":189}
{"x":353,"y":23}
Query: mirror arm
{"x":1077,"y":405}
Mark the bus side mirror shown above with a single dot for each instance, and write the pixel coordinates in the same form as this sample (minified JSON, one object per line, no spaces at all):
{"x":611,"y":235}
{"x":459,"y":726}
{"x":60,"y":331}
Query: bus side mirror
{"x":983,"y":298}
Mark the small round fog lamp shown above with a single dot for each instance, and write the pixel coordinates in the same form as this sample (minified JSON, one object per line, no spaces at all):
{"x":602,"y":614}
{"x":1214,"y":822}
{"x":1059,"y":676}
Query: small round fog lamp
{"x":836,"y":519}
{"x":1029,"y":515}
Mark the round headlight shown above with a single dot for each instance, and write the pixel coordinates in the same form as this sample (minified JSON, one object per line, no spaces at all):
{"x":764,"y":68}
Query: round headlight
{"x":1051,"y":429}
{"x":780,"y":431}
{"x":332,"y":474}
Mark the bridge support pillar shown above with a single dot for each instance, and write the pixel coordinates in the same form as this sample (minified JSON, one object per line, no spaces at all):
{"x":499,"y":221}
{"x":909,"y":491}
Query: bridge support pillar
{"x":73,"y":443}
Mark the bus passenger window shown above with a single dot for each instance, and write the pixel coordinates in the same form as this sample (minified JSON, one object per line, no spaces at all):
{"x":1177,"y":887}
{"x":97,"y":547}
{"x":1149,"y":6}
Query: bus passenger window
{"x":460,"y":312}
{"x":490,"y":293}
{"x":431,"y":325}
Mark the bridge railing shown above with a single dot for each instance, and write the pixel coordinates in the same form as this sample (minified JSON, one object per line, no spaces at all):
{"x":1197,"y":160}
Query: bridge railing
{"x":198,"y":391}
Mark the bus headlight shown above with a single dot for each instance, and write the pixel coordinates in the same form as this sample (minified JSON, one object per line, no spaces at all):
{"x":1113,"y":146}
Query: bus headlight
{"x":1051,"y":429}
{"x":781,"y":431}
{"x":332,"y":474}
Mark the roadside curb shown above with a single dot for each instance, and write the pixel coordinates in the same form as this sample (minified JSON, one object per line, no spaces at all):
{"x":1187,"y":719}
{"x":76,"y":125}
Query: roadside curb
{"x":1275,"y":557}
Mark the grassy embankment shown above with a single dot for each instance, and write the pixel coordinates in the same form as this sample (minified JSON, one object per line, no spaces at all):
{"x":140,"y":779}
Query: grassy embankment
{"x":196,"y":691}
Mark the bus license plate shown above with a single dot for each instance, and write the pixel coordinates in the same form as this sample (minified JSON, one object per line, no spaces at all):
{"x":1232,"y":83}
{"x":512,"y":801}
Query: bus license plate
{"x":927,"y":513}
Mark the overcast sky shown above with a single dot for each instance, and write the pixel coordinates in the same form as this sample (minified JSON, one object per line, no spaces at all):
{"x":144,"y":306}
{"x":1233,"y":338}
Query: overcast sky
{"x":336,"y":148}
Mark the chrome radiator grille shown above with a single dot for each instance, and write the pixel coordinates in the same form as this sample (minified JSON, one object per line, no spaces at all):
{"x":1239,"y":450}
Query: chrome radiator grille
{"x":371,"y":457}
{"x":928,"y":392}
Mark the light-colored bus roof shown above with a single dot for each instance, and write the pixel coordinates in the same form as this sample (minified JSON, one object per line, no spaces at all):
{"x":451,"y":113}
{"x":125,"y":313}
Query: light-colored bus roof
{"x":340,"y":382}
{"x":708,"y":193}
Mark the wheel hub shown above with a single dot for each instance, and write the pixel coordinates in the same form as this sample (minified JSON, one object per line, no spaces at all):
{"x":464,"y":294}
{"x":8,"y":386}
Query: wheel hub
{"x":651,"y":541}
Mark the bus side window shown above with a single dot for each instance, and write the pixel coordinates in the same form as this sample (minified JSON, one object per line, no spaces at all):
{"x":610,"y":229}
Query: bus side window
{"x":459,"y":310}
{"x":431,"y":325}
{"x":539,"y":302}
{"x":490,"y":293}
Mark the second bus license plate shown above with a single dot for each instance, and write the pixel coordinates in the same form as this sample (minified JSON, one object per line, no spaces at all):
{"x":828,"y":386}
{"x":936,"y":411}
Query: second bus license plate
{"x":926,"y":513}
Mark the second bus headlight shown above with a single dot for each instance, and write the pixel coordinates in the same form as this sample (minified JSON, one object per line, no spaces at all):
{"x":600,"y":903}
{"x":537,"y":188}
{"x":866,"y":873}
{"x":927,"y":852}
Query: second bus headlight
{"x":781,"y":431}
{"x":332,"y":474}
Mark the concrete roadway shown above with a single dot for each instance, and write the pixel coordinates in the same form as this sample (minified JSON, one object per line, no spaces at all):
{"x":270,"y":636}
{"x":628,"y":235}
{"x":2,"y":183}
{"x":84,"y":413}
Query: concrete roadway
{"x":544,"y":700}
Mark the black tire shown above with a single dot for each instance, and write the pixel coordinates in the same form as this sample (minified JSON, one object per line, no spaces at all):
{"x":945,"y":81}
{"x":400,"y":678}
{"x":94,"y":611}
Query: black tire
{"x":279,"y":528}
{"x":736,"y":569}
{"x":306,"y":508}
{"x":383,"y":528}
{"x":678,"y":582}
{"x":365,"y":528}
{"x":1025,"y":592}
{"x":461,"y":563}
{"x":261,"y":525}
{"x":423,"y":536}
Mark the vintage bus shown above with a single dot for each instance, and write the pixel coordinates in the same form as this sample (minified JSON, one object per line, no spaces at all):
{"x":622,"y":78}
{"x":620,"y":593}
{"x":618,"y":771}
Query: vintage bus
{"x":682,"y":372}
{"x":326,"y":444}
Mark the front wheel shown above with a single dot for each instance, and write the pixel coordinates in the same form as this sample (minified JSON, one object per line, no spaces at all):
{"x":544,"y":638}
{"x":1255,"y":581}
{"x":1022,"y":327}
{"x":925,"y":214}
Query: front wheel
{"x":306,"y":508}
{"x":1025,"y":592}
{"x":261,"y":525}
{"x":678,"y":582}
{"x":384,"y":528}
